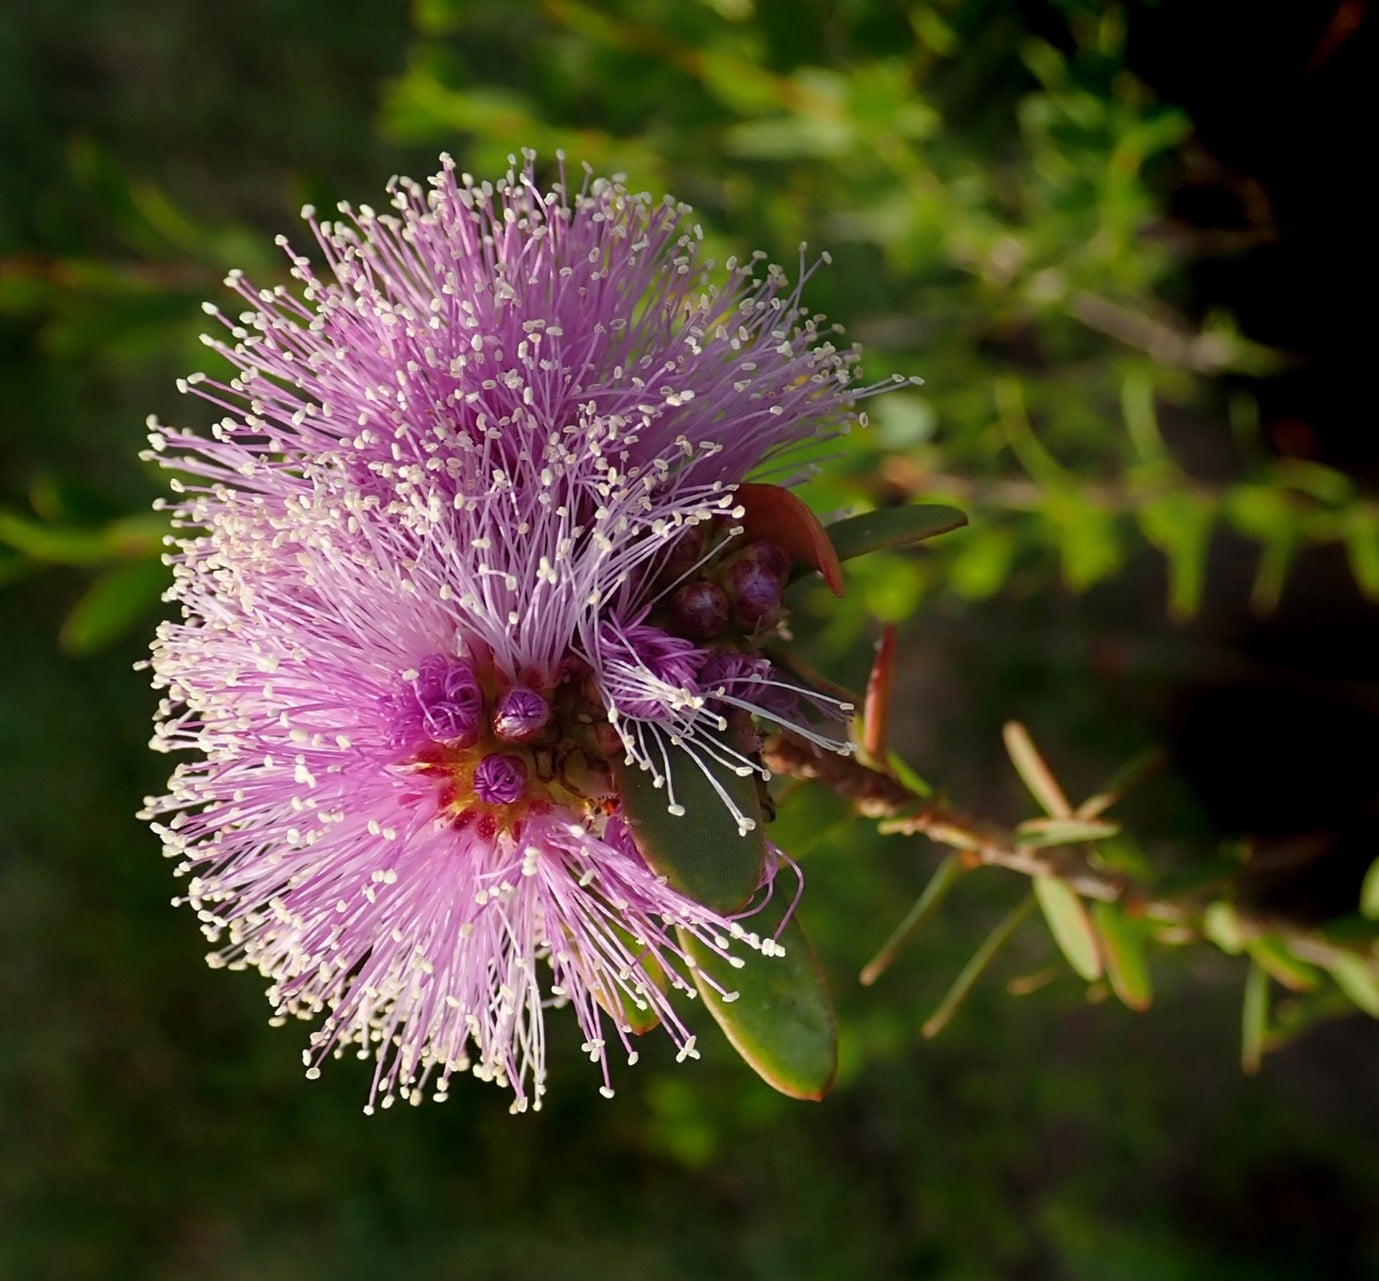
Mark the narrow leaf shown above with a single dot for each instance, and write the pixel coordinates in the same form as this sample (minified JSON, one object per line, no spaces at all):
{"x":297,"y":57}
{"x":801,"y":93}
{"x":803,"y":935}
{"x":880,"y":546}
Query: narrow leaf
{"x":934,"y":892}
{"x":1040,"y":832}
{"x":1031,"y":768}
{"x":775,"y":1010}
{"x":1122,"y":944}
{"x":975,"y":968}
{"x":1358,"y":981}
{"x":892,"y":528}
{"x":771,"y":511}
{"x":1254,"y":1019}
{"x":1272,"y":955}
{"x":701,"y":852}
{"x":1122,"y":781}
{"x":1068,"y":923}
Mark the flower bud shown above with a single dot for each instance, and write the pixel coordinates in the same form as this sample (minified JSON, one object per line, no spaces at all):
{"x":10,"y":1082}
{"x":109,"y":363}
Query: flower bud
{"x":686,"y":552}
{"x":520,"y":715}
{"x":441,"y":702}
{"x":754,"y":580}
{"x":500,"y":779}
{"x":700,"y":610}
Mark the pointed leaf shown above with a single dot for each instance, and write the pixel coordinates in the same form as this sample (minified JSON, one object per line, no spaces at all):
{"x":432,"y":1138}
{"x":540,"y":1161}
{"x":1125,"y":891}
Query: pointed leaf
{"x":701,"y":852}
{"x":1272,"y":955}
{"x":1122,"y":944}
{"x":1358,"y":981}
{"x":773,"y":512}
{"x":775,"y":1010}
{"x":975,"y":968}
{"x":1036,"y":774}
{"x":1068,"y":923}
{"x":1041,"y":832}
{"x":932,"y":895}
{"x":891,"y":528}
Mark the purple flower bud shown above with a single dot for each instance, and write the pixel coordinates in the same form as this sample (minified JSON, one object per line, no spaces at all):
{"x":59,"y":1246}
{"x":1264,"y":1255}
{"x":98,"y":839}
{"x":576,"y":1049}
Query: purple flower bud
{"x":754,"y":589}
{"x":520,"y":715}
{"x":442,"y":703}
{"x":700,"y":610}
{"x":500,"y":779}
{"x":772,"y":557}
{"x":684,"y":556}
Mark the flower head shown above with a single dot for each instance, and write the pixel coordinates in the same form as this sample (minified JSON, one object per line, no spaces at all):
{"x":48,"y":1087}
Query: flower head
{"x":425,"y":574}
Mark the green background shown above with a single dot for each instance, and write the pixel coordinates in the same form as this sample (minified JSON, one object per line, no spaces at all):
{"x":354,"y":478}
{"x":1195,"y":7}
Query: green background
{"x":1192,"y":571}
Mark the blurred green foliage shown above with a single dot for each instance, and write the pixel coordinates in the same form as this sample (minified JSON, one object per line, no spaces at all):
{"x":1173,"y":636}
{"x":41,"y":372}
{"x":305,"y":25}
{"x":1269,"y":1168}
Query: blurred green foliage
{"x":990,"y":179}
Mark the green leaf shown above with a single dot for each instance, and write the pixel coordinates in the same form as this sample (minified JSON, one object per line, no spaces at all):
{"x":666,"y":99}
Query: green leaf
{"x":1358,"y":981}
{"x":1040,"y":832}
{"x":890,"y":528}
{"x":634,"y":1013}
{"x":1254,"y":1019}
{"x":976,"y":967}
{"x":1221,"y":925}
{"x":934,"y":892}
{"x":1369,"y":892}
{"x":1068,"y":923}
{"x":1122,"y":942}
{"x":1272,"y":955}
{"x":702,"y":852}
{"x":1032,"y":769}
{"x":775,"y":1010}
{"x":114,"y":603}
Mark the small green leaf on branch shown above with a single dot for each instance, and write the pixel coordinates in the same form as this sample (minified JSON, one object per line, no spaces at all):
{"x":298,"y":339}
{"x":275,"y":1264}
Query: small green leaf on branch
{"x":1068,"y":923}
{"x":976,"y":967}
{"x":892,"y":528}
{"x":1036,"y":774}
{"x":1122,"y":945}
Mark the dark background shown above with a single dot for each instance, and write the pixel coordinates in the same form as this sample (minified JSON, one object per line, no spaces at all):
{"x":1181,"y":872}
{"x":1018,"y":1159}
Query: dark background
{"x":153,"y":1126}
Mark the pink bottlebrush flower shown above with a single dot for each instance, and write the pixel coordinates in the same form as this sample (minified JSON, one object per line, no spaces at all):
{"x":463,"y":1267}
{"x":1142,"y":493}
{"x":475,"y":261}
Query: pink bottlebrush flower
{"x":425,"y":570}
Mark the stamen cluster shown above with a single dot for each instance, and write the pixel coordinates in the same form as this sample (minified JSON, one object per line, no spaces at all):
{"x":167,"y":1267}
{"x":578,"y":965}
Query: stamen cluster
{"x":465,"y":536}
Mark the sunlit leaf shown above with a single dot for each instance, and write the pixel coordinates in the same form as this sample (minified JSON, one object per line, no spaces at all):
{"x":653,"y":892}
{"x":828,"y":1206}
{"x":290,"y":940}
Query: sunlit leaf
{"x":1369,"y":892}
{"x":775,"y":1010}
{"x":1035,"y":773}
{"x":1039,"y":832}
{"x":1272,"y":954}
{"x":891,"y":528}
{"x":1068,"y":923}
{"x":1358,"y":981}
{"x":1123,"y":947}
{"x":701,"y":852}
{"x":1221,"y":925}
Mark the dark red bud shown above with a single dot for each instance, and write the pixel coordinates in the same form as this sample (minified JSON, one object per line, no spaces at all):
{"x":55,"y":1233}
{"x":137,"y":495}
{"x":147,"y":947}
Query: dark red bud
{"x":700,"y":610}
